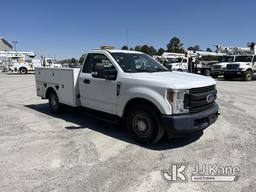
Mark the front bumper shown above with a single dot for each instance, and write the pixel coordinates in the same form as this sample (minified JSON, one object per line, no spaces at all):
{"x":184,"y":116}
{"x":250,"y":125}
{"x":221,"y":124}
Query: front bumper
{"x":217,"y":72}
{"x":234,"y":73}
{"x":178,"y":125}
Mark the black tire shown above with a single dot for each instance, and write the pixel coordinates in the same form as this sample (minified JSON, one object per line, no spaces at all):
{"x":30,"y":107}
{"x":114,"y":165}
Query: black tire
{"x":227,"y":77}
{"x":54,"y":104}
{"x":214,"y":76}
{"x":180,"y":70}
{"x":207,"y":72}
{"x":143,"y":124}
{"x":248,"y":75}
{"x":23,"y":70}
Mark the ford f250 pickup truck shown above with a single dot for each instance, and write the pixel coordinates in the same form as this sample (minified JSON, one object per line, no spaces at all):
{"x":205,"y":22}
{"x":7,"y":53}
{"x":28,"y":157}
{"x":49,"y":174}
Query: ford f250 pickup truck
{"x":136,"y":88}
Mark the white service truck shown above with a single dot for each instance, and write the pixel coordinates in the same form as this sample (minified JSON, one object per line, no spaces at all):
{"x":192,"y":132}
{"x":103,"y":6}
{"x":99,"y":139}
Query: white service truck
{"x":218,"y":68}
{"x":243,"y":66}
{"x":134,"y":87}
{"x":177,"y":64}
{"x":29,"y":65}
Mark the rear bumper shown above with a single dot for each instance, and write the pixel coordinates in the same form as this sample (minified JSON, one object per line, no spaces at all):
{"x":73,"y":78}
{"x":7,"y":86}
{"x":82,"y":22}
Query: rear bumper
{"x":179,"y":125}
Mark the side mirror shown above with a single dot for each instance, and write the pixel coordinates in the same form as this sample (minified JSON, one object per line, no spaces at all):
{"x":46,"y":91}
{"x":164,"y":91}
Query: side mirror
{"x":108,"y":73}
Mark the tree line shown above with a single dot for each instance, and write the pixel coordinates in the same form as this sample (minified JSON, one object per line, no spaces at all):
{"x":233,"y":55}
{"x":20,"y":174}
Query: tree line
{"x":174,"y":45}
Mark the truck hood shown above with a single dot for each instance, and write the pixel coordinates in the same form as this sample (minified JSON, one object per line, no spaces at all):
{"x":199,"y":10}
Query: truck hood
{"x":175,"y":79}
{"x":241,"y":63}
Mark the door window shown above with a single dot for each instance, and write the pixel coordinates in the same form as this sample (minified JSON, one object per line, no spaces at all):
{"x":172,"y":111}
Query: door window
{"x":96,"y":62}
{"x":100,"y":64}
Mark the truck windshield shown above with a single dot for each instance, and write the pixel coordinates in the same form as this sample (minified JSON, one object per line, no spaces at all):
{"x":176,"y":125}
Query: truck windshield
{"x":243,"y":59}
{"x":226,"y":59}
{"x":135,"y":63}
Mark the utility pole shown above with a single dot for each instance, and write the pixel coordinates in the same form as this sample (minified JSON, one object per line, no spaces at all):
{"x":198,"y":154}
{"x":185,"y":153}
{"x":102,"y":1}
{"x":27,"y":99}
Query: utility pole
{"x":14,"y":44}
{"x":127,"y":39}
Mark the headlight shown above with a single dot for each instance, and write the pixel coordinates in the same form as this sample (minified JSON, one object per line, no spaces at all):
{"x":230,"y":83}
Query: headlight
{"x":176,"y":99}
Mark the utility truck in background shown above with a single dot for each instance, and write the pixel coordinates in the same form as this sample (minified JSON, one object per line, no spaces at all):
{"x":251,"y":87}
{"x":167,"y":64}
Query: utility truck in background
{"x":205,"y":62}
{"x":218,"y":68}
{"x":175,"y":61}
{"x":244,"y":64}
{"x":29,"y":65}
{"x":133,"y":87}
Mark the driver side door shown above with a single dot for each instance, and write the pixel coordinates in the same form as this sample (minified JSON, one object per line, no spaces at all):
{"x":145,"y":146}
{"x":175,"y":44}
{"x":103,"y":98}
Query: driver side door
{"x":96,"y":92}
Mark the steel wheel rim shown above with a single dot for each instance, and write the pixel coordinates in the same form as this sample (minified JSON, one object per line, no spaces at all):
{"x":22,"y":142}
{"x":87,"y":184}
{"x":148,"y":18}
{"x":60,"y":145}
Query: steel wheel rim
{"x":249,"y":76}
{"x":54,"y":102}
{"x":141,"y":125}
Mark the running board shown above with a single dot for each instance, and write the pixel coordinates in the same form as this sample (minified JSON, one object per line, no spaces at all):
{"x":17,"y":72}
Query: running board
{"x":101,"y":116}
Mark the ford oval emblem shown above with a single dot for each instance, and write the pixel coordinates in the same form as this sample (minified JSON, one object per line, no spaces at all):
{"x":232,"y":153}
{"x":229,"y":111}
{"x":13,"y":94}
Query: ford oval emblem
{"x":210,"y":98}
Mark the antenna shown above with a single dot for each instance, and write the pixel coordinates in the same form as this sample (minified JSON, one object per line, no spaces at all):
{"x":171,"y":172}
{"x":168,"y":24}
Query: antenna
{"x":127,"y":38}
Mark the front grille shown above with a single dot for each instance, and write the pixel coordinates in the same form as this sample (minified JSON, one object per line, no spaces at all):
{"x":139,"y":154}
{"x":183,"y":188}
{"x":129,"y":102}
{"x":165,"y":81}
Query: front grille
{"x":216,"y":66}
{"x":232,"y":66}
{"x":202,"y":89}
{"x":196,"y":99}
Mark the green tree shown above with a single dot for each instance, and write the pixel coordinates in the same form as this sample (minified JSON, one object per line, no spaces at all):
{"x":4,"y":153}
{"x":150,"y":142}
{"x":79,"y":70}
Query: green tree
{"x":160,"y":51}
{"x":196,"y":48}
{"x":191,"y":48}
{"x":175,"y":46}
{"x":145,"y":49}
{"x":81,"y":59}
{"x":73,"y":60}
{"x":208,"y":49}
{"x":125,"y":47}
{"x":137,"y":48}
{"x":131,"y":49}
{"x":152,"y":51}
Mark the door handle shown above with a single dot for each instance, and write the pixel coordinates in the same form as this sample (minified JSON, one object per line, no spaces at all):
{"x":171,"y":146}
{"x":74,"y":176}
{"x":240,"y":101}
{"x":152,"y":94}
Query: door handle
{"x":87,"y":81}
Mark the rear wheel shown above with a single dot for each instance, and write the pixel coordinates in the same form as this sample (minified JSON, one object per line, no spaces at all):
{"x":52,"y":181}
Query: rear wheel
{"x":143,"y":124}
{"x":54,"y":103}
{"x":248,"y":75}
{"x":23,"y":70}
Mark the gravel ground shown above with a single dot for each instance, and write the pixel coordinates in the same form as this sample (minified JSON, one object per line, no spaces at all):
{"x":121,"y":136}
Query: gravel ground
{"x":72,"y":152}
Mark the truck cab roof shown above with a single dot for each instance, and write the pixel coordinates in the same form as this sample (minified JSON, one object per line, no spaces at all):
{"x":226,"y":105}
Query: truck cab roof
{"x":114,"y":51}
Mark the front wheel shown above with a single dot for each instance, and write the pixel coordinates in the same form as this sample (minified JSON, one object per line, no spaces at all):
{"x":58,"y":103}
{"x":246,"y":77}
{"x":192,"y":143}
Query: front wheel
{"x":214,"y":76}
{"x":207,"y":72}
{"x":54,"y":103}
{"x":248,"y":76}
{"x":23,"y":70}
{"x":143,"y":124}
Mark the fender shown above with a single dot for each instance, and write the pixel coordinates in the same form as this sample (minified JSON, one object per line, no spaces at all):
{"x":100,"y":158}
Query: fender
{"x":154,"y":97}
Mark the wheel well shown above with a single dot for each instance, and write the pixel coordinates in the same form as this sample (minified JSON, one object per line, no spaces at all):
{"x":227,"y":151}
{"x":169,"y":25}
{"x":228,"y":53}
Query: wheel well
{"x":49,"y":90}
{"x":139,"y":101}
{"x":249,"y":70}
{"x":22,"y":68}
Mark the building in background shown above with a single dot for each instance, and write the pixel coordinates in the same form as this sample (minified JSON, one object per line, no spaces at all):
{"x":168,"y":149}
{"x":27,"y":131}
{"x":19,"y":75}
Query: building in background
{"x":5,"y":45}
